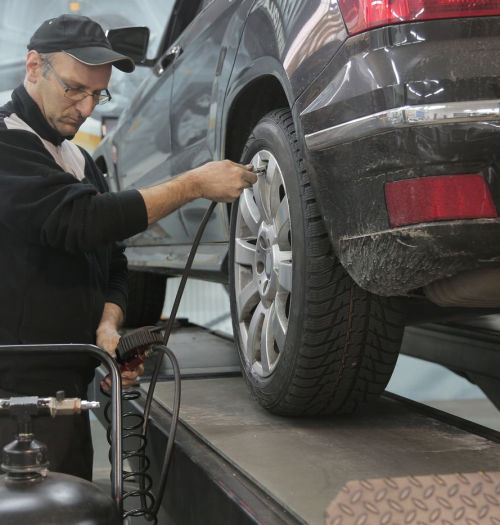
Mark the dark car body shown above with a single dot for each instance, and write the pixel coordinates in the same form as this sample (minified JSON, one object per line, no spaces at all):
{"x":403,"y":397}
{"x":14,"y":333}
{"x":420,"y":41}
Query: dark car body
{"x":414,"y":103}
{"x":421,"y":99}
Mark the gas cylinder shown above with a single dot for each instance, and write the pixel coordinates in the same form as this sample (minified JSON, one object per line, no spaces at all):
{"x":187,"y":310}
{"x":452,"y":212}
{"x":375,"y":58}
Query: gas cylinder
{"x":32,"y":495}
{"x":54,"y":499}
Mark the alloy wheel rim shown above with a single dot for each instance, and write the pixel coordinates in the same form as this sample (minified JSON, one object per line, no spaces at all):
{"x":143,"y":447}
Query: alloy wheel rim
{"x":263,"y":267}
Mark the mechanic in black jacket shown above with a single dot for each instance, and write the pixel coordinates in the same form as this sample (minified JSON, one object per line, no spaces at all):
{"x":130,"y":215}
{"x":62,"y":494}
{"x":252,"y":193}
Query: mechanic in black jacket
{"x":63,"y":273}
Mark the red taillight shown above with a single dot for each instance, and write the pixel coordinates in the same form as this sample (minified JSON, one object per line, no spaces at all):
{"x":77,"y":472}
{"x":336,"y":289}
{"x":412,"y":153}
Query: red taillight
{"x":447,"y":197}
{"x":360,"y":15}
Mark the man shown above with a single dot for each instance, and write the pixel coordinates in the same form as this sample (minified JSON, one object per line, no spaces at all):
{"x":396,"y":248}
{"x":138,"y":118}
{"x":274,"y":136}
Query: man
{"x":63,"y":275}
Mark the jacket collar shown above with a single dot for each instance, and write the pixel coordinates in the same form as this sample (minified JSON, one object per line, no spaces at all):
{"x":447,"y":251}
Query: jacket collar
{"x":28,"y":110}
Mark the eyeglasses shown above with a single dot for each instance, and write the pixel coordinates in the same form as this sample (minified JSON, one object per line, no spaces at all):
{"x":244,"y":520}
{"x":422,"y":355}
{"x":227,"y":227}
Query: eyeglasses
{"x":76,"y":94}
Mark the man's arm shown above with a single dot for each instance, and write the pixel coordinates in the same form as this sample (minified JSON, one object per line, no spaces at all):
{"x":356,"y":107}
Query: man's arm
{"x":221,"y":181}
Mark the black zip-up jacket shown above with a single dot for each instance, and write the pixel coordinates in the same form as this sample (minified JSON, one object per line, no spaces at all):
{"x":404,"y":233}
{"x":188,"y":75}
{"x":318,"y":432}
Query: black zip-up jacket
{"x":59,"y":256}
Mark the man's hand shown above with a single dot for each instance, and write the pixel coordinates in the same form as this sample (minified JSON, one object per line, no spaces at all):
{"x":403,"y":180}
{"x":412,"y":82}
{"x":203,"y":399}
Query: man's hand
{"x":129,"y":378}
{"x":221,"y":181}
{"x":107,"y":338}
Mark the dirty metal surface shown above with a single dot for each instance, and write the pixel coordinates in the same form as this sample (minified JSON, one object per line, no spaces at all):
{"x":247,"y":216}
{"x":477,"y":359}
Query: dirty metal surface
{"x":305,"y":463}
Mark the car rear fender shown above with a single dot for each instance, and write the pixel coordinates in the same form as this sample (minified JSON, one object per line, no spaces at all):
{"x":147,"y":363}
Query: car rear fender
{"x":283,"y":48}
{"x":301,"y":36}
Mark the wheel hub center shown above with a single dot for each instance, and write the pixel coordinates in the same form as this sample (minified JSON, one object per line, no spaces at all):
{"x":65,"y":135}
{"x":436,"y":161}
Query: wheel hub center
{"x":264,"y":263}
{"x":269,"y":264}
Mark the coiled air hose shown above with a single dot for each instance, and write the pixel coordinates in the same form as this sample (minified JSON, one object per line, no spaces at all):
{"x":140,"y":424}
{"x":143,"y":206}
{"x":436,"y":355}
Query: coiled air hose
{"x":130,"y":352}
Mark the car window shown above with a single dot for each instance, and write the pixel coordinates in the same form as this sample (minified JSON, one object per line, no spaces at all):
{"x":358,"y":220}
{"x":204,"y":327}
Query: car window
{"x":186,"y":12}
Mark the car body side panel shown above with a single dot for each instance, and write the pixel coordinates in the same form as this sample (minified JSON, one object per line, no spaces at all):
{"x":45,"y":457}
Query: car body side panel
{"x":201,"y":74}
{"x":144,"y":149}
{"x":144,"y":138}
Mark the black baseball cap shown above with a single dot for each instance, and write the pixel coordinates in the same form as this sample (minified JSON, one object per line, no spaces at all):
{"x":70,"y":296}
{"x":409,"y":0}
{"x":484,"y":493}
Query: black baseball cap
{"x":81,"y":38}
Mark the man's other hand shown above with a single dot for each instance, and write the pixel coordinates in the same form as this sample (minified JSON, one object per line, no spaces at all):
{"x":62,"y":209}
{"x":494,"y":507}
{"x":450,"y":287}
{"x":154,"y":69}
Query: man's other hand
{"x":107,"y":339}
{"x":129,"y":378}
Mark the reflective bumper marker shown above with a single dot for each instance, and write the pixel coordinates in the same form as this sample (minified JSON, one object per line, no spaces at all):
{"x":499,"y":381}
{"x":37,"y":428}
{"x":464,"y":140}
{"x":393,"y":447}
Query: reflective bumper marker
{"x":441,"y":198}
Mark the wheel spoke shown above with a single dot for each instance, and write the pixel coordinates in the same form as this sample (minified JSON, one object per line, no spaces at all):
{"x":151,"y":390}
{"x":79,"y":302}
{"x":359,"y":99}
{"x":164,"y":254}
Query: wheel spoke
{"x":267,"y":190}
{"x":244,"y":252}
{"x":254,"y":333}
{"x":267,"y":354}
{"x":285,"y":271}
{"x":247,"y":300}
{"x":282,"y":224}
{"x":250,"y":211}
{"x":272,"y":170}
{"x":261,"y":194}
{"x":280,"y":327}
{"x":274,"y":180}
{"x":261,"y":159}
{"x":266,"y":343}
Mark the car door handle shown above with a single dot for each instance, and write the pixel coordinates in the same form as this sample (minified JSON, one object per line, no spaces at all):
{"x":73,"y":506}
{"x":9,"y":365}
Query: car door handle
{"x":167,"y":59}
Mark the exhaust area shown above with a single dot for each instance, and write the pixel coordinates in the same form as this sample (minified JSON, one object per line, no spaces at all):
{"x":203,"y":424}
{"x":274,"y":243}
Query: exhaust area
{"x":474,"y":288}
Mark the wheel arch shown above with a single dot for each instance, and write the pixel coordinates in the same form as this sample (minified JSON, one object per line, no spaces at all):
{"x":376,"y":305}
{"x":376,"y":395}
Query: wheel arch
{"x":257,"y":98}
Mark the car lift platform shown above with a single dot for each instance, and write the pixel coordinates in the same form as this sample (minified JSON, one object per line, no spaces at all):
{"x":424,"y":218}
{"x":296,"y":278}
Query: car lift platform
{"x":394,"y":461}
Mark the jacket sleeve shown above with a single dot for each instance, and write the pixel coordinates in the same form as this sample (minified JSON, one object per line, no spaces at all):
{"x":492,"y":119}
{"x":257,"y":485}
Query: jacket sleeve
{"x":45,"y":205}
{"x":117,"y":288}
{"x":117,"y":291}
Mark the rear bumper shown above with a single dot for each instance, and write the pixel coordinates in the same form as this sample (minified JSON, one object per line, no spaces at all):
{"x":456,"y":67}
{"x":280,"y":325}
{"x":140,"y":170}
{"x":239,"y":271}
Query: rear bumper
{"x":411,"y":101}
{"x":395,"y":261}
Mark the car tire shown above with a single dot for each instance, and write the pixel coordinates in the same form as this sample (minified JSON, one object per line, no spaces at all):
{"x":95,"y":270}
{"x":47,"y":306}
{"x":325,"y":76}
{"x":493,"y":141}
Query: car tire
{"x":146,"y":295}
{"x":310,"y":340}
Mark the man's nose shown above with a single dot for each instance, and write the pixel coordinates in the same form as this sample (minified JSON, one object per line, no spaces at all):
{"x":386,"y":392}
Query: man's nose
{"x":86,"y":106}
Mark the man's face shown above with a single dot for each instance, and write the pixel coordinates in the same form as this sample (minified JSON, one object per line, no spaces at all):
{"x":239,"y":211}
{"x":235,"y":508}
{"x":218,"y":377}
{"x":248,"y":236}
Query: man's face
{"x":63,"y":114}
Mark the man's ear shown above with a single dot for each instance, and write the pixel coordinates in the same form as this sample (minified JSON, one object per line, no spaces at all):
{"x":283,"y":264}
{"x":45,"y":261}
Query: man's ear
{"x":34,"y":66}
